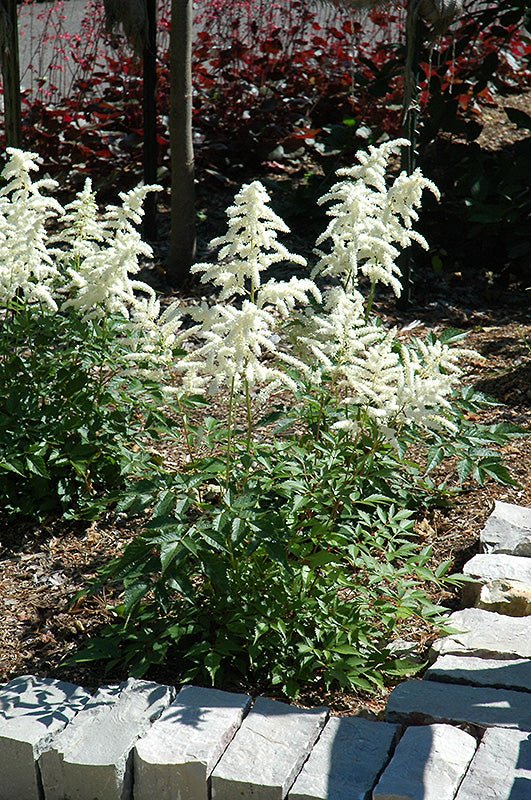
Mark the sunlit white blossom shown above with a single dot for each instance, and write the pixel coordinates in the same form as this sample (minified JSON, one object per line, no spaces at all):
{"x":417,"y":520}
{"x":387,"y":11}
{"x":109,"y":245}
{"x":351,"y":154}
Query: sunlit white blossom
{"x":371,"y":223}
{"x":106,"y":252}
{"x":370,"y":378}
{"x":327,"y":332}
{"x":237,"y":346}
{"x":286,"y":295}
{"x":240,"y":345}
{"x":430,"y":374}
{"x":27,"y":270}
{"x":249,"y":247}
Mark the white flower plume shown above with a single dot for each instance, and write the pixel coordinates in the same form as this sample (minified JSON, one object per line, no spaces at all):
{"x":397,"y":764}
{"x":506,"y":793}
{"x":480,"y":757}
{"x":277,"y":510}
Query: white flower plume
{"x":430,"y":374}
{"x":250,"y":245}
{"x":101,"y":253}
{"x":238,"y":346}
{"x":371,"y":223}
{"x":85,"y":264}
{"x":401,"y":383}
{"x":27,"y":269}
{"x":241,"y":345}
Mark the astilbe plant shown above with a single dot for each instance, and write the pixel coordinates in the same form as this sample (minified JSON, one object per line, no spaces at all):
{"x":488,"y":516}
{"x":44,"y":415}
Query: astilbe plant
{"x":81,"y":345}
{"x":283,"y":553}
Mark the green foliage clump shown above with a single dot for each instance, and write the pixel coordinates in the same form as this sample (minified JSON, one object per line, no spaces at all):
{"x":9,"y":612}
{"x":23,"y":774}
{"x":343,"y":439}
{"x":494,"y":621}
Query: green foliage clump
{"x":71,"y":416}
{"x":293,"y":564}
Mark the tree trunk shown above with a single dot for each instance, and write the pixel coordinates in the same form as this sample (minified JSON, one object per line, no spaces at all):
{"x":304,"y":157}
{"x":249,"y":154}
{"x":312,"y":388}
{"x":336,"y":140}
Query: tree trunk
{"x":183,"y":235}
{"x":150,"y":120}
{"x":9,"y":59}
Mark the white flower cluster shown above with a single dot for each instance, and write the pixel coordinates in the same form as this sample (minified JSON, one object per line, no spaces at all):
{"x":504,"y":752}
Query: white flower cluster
{"x":257,"y":334}
{"x":86,"y":263}
{"x":370,"y":223}
{"x":250,"y":245}
{"x":256,"y":328}
{"x":99,"y":253}
{"x":402,"y":383}
{"x":27,"y":269}
{"x":394,"y":382}
{"x":239,"y":340}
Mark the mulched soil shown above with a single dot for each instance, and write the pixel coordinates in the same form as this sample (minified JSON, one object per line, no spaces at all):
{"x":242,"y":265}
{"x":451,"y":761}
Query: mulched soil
{"x":43,"y":566}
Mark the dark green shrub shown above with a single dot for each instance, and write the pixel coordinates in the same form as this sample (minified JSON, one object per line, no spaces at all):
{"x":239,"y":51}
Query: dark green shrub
{"x":73,"y":420}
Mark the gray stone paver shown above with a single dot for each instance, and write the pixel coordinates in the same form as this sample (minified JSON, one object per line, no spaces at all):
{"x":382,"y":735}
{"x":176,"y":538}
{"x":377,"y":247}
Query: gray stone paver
{"x":484,"y":568}
{"x":346,"y":761}
{"x":512,"y":598}
{"x":32,"y":710}
{"x":421,"y":702}
{"x":483,"y":633}
{"x":92,"y":757}
{"x":268,"y":751}
{"x":429,"y":763}
{"x":173,"y":761}
{"x":498,"y":673}
{"x":501,"y":768}
{"x":508,"y":530}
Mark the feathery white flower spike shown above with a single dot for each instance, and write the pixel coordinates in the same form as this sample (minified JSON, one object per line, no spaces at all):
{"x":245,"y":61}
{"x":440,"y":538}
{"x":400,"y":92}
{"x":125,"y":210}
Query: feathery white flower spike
{"x":103,"y":252}
{"x":370,"y":222}
{"x":241,"y":346}
{"x":238,"y":348}
{"x":27,"y":269}
{"x":249,"y":247}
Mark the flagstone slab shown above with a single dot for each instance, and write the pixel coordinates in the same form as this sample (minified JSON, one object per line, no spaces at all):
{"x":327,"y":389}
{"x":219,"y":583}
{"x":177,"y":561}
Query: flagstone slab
{"x":485,"y":634}
{"x":486,"y":568}
{"x":498,"y":673}
{"x":92,"y":757}
{"x":174,"y":760}
{"x":512,"y":598}
{"x":423,"y":702}
{"x":501,"y":768}
{"x":508,"y":530}
{"x":267,"y":752}
{"x":32,"y":710}
{"x":429,"y":763}
{"x":346,"y":761}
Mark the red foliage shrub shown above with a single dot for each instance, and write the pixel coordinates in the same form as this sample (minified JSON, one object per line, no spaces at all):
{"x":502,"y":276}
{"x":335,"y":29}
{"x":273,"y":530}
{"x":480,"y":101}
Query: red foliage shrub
{"x":265,"y":74}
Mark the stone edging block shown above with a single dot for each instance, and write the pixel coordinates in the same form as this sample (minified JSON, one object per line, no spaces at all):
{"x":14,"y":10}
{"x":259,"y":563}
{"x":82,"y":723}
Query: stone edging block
{"x":429,"y":763}
{"x":512,"y":598}
{"x":177,"y":755}
{"x":92,"y":757}
{"x":501,"y":768}
{"x":32,"y":711}
{"x":498,"y":673}
{"x":422,"y":702}
{"x":268,"y":751}
{"x":346,"y":761}
{"x":508,"y":530}
{"x":486,"y":634}
{"x":487,"y":569}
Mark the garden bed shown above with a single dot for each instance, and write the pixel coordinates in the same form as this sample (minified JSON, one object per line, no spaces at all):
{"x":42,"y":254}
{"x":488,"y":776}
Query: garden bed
{"x":43,"y":566}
